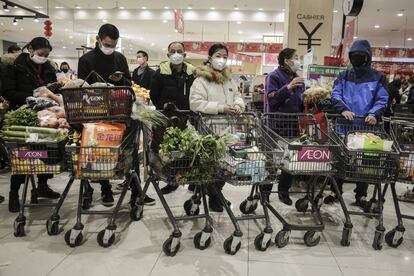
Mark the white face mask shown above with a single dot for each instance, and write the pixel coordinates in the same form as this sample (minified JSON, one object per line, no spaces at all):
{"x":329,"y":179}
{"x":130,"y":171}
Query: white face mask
{"x":107,"y":51}
{"x":38,"y":59}
{"x":140,"y":60}
{"x":219,"y":63}
{"x":177,"y":58}
{"x":297,"y":65}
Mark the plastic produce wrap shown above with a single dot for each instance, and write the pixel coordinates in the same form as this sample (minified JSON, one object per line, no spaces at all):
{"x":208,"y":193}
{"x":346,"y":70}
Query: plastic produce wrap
{"x":76,"y":84}
{"x":102,"y":84}
{"x":368,"y":141}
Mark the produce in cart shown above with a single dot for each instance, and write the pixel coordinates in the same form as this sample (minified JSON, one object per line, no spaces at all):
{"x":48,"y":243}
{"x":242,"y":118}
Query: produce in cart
{"x":141,"y":92}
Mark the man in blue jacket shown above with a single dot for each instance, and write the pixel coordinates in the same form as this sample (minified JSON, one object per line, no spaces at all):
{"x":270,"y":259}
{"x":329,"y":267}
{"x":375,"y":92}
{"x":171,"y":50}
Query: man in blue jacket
{"x":360,"y":91}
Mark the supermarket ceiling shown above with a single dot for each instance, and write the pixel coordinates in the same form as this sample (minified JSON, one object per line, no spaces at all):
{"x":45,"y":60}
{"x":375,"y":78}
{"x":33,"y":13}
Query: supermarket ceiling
{"x":149,"y":24}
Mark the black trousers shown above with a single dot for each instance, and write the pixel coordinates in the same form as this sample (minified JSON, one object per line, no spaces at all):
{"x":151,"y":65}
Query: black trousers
{"x":285,"y":182}
{"x":361,"y":189}
{"x":18,"y":179}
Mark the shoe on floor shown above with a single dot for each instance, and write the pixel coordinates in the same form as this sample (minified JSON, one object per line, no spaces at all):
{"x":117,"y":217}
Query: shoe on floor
{"x":215,"y":205}
{"x":331,"y":199}
{"x":191,"y":187}
{"x":284,"y":198}
{"x":361,"y":202}
{"x":149,"y":201}
{"x":46,"y":192}
{"x":107,"y":197}
{"x":169,"y":188}
{"x":408,"y":196}
{"x":1,"y":199}
{"x":14,"y":203}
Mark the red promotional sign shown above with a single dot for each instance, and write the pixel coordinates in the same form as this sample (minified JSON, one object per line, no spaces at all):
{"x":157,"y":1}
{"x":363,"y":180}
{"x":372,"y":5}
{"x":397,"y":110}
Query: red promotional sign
{"x":314,"y":154}
{"x":179,"y":21}
{"x":236,"y":47}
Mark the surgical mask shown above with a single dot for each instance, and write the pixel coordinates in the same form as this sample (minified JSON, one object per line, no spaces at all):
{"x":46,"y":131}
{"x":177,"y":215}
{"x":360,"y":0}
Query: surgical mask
{"x":297,"y":65}
{"x":358,"y":60}
{"x":65,"y":70}
{"x":140,"y":61}
{"x":176,"y":58}
{"x":219,"y":63}
{"x":107,"y":51}
{"x":38,"y":59}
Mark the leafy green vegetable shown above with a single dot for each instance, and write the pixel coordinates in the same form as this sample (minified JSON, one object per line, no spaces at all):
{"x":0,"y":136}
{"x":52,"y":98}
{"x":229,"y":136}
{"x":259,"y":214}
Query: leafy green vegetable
{"x":21,"y":117}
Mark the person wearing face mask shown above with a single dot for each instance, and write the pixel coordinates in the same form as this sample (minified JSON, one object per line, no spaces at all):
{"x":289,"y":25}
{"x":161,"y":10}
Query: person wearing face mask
{"x":284,"y":93}
{"x":143,"y":74}
{"x":105,"y":60}
{"x":170,"y":84}
{"x":23,"y":74}
{"x":214,"y":92}
{"x":359,"y":91}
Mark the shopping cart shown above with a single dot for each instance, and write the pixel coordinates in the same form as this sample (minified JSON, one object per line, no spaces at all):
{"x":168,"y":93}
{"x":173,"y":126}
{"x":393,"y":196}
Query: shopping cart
{"x":109,"y":104}
{"x":253,"y":161}
{"x":32,"y":159}
{"x":4,"y":155}
{"x":373,"y":167}
{"x":309,"y":151}
{"x":402,"y":132}
{"x":168,"y":169}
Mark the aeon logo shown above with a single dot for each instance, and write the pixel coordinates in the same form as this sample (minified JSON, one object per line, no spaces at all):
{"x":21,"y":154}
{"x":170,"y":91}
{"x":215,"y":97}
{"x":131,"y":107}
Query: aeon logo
{"x":32,"y":154}
{"x":314,"y":154}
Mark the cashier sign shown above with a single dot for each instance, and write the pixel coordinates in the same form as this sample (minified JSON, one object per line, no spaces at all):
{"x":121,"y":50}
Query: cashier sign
{"x":314,"y":154}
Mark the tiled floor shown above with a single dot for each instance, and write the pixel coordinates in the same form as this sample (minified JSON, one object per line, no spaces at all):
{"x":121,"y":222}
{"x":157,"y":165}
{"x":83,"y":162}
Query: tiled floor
{"x":137,"y":249}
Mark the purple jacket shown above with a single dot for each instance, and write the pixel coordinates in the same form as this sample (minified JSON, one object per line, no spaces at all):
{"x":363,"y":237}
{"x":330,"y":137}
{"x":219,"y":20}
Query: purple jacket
{"x":284,"y":100}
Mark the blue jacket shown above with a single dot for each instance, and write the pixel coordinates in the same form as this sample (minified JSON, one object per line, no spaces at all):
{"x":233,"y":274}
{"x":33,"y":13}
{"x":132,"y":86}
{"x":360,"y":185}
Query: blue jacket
{"x":284,"y":100}
{"x":364,"y":90}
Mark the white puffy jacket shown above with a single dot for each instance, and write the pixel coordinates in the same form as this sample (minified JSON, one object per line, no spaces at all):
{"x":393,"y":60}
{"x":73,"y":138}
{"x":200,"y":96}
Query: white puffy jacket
{"x":212,"y":91}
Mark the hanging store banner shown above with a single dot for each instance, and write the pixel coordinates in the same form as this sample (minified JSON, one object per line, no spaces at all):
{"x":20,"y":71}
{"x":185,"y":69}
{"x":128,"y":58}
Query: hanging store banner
{"x":235,"y":47}
{"x":310,"y":26}
{"x":179,"y":21}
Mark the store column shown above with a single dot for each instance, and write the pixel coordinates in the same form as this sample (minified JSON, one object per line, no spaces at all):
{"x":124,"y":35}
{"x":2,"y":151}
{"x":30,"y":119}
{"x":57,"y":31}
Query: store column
{"x":308,"y":24}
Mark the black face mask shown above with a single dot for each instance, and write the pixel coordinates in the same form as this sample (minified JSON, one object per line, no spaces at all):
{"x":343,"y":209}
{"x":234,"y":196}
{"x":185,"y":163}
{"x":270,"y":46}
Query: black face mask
{"x":65,"y":70}
{"x":358,"y":60}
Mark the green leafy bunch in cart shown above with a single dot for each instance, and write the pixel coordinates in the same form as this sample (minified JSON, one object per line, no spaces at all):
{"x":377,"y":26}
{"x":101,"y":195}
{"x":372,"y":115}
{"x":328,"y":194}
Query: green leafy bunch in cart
{"x":197,"y":156}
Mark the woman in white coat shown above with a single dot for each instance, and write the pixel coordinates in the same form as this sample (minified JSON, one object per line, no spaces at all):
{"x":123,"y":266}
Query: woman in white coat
{"x":214,"y":92}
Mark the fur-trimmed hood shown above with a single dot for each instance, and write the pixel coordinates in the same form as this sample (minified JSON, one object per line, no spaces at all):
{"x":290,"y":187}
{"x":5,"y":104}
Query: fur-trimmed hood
{"x":212,"y":75}
{"x":8,"y":59}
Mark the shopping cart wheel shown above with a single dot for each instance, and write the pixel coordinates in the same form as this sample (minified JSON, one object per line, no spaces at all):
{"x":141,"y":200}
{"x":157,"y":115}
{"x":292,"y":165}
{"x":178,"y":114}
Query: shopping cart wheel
{"x":302,"y":205}
{"x":260,"y":243}
{"x":191,"y":208}
{"x":312,"y":238}
{"x":106,"y":238}
{"x":136,"y":212}
{"x":19,"y":227}
{"x":171,"y":246}
{"x":346,"y":236}
{"x":52,"y":227}
{"x":73,"y":237}
{"x":377,"y":243}
{"x":232,"y":245}
{"x":394,"y":238}
{"x":282,"y":238}
{"x":248,"y":206}
{"x":202,"y":240}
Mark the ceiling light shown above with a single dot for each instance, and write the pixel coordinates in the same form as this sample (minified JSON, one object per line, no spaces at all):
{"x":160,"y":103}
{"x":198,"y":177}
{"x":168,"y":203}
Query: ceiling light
{"x":241,"y":40}
{"x":166,"y":8}
{"x":15,"y":22}
{"x":240,"y":32}
{"x":100,"y":8}
{"x":239,"y":22}
{"x":144,"y":8}
{"x":335,"y":11}
{"x":409,"y":39}
{"x":153,"y":44}
{"x":376,"y":26}
{"x":260,"y":9}
{"x":386,"y":46}
{"x":164,"y":49}
{"x":400,"y":14}
{"x":190,"y":7}
{"x":355,"y":37}
{"x":212,"y":8}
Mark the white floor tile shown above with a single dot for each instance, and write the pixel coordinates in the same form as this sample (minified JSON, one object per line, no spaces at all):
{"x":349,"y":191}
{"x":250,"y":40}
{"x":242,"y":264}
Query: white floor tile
{"x":369,"y":272}
{"x":269,"y":268}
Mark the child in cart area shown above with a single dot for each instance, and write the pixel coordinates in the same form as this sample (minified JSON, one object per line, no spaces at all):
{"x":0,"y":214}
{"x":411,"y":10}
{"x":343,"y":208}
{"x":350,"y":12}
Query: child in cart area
{"x":214,"y":92}
{"x":23,"y":74}
{"x":359,"y":91}
{"x":284,"y":90}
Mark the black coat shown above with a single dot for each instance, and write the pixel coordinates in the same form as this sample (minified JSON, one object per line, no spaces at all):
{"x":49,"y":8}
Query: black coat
{"x":144,"y":80}
{"x":169,"y":86}
{"x":104,"y":65}
{"x":19,"y":79}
